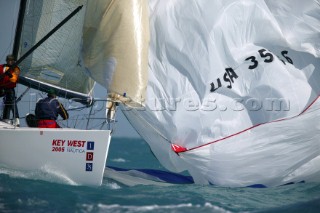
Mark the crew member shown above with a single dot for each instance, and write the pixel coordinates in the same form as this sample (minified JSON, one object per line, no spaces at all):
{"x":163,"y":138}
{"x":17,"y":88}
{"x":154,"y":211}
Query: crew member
{"x":48,"y":109}
{"x":9,"y":75}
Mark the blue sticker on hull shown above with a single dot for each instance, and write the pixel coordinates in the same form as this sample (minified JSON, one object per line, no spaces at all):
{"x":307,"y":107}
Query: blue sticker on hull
{"x":89,"y":167}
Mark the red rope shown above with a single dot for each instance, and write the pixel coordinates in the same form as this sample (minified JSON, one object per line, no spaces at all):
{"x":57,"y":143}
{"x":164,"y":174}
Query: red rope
{"x":179,"y":149}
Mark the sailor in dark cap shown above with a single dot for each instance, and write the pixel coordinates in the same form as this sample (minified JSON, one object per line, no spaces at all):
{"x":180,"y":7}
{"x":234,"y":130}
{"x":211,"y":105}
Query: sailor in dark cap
{"x":48,"y":109}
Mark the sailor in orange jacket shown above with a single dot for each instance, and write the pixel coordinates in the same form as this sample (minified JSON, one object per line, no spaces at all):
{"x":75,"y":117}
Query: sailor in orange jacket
{"x":9,"y":75}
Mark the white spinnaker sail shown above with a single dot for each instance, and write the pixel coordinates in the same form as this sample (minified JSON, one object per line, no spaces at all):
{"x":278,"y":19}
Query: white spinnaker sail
{"x":228,"y":80}
{"x":58,"y":61}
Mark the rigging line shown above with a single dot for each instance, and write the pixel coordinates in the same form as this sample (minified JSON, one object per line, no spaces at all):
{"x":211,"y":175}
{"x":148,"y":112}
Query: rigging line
{"x":21,"y":96}
{"x":313,"y":110}
{"x":76,"y":121}
{"x":102,"y":125}
{"x":98,"y":125}
{"x":77,"y":108}
{"x":89,"y":116}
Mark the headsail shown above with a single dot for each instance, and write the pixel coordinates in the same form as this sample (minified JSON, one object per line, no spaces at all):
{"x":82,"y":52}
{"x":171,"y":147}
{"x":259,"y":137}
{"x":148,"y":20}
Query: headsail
{"x":230,"y":81}
{"x":116,"y":40}
{"x":58,"y":61}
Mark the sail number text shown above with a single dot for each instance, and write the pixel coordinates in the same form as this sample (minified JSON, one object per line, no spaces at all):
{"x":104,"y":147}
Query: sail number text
{"x":230,"y":75}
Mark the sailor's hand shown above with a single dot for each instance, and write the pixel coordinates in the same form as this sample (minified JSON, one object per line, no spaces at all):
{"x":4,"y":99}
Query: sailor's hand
{"x":8,"y":74}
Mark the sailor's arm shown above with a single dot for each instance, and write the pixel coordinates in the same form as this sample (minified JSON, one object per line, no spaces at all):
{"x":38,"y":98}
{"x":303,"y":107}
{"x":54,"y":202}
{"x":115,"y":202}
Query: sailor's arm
{"x":63,"y":112}
{"x":14,"y":74}
{"x":11,"y":74}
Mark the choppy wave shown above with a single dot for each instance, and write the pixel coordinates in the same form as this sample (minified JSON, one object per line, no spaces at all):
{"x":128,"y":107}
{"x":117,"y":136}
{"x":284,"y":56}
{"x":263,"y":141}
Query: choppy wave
{"x":207,"y":207}
{"x":45,"y":174}
{"x":132,"y":190}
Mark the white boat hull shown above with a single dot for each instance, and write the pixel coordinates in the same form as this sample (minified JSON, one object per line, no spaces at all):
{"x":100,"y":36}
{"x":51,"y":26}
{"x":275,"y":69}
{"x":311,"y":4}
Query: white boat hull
{"x":76,"y":155}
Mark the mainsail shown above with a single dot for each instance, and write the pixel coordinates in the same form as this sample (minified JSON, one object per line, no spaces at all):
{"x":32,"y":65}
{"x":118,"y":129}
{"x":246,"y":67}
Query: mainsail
{"x":232,"y":90}
{"x":58,"y":61}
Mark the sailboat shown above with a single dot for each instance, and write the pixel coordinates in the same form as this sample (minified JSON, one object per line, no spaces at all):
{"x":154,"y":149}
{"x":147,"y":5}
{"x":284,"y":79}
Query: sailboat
{"x":225,"y":90}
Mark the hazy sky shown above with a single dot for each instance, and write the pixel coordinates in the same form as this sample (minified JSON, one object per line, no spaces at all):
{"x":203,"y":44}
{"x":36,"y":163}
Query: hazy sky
{"x":8,"y":17}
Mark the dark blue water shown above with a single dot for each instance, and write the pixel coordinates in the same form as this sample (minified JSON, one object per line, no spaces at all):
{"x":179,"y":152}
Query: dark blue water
{"x":33,"y":193}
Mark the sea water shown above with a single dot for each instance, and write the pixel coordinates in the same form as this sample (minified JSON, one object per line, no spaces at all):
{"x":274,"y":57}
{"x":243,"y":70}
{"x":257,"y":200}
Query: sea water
{"x":34,"y":192}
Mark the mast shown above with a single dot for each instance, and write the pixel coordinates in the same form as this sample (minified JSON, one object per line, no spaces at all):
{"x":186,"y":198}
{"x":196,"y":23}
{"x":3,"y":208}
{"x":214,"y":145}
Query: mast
{"x":22,"y":9}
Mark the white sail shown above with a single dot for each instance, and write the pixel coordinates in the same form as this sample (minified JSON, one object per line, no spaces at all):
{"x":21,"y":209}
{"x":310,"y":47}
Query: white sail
{"x":116,"y":39}
{"x":233,"y":86}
